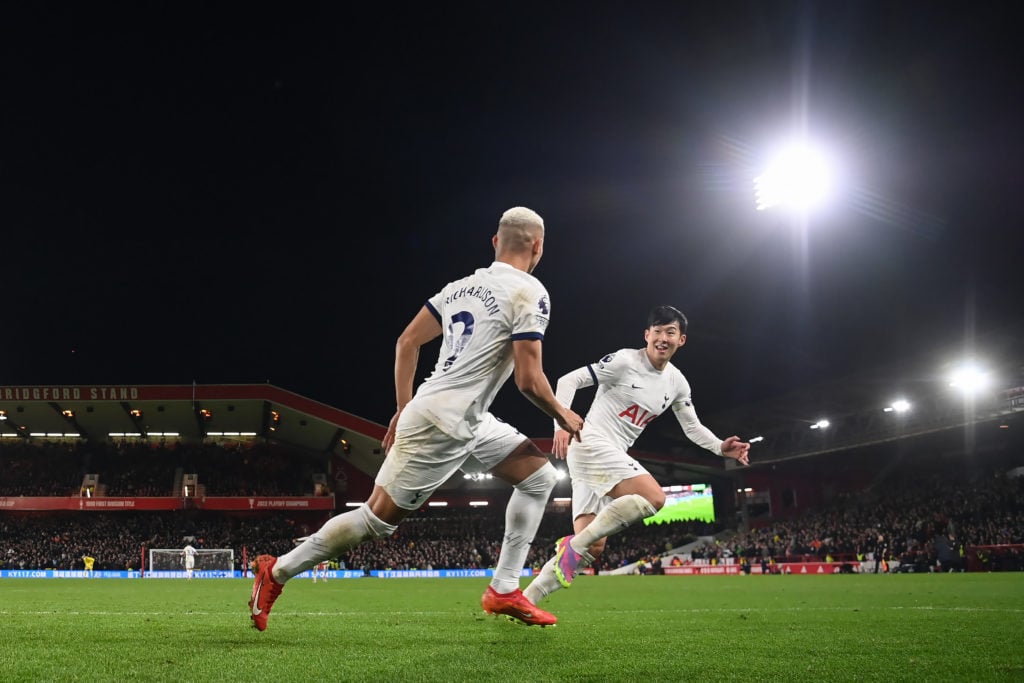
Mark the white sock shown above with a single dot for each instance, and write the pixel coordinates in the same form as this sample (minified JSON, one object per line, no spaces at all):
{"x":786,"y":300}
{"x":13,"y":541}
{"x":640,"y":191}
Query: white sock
{"x":522,"y":517}
{"x":337,"y":535}
{"x":544,"y":584}
{"x":619,"y":514}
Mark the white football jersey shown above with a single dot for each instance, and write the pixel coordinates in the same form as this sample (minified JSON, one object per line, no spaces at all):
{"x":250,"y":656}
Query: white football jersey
{"x":481,"y":315}
{"x":630,"y":393}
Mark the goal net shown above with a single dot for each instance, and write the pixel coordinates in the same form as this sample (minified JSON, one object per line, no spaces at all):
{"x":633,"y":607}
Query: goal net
{"x":209,"y":563}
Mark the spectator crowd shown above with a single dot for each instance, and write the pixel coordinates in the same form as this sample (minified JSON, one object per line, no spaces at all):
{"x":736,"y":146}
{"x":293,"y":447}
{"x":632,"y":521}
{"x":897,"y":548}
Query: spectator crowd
{"x":143,"y":469}
{"x":916,"y":516}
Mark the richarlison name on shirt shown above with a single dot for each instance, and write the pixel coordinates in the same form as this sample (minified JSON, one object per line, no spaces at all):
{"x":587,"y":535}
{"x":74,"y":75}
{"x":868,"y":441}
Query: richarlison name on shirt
{"x":482,"y":293}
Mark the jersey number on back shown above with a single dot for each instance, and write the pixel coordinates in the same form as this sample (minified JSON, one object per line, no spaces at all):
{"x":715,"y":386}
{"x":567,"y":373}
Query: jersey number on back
{"x":459,"y":344}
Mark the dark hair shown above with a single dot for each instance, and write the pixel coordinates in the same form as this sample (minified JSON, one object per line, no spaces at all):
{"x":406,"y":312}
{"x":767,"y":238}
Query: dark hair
{"x":663,"y":315}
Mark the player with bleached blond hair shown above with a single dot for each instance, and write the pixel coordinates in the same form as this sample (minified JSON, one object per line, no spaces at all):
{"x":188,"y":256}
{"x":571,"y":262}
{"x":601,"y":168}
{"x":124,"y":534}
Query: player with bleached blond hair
{"x":492,"y":324}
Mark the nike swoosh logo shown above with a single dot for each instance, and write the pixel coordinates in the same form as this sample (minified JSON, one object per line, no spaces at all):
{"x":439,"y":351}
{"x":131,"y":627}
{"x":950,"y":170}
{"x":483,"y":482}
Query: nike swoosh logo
{"x":256,"y":611}
{"x":635,"y":386}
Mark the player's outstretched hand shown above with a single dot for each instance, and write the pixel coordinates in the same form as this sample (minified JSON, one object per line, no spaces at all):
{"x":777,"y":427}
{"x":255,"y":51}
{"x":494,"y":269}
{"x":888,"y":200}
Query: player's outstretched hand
{"x":736,"y":449}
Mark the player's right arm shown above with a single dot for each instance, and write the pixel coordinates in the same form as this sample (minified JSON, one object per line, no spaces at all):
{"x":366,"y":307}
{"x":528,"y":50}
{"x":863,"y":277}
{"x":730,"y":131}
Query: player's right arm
{"x":565,"y":392}
{"x":421,"y":329}
{"x":534,"y":385}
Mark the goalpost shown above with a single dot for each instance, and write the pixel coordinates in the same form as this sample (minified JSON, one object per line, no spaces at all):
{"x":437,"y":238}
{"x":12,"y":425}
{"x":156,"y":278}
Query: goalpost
{"x":210,"y":563}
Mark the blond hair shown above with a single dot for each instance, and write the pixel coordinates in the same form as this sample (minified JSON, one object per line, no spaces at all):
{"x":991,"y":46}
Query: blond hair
{"x":519,"y":227}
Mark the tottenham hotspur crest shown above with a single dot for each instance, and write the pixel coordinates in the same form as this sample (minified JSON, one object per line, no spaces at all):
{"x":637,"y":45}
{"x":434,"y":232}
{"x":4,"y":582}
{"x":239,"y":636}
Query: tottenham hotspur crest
{"x":542,"y":305}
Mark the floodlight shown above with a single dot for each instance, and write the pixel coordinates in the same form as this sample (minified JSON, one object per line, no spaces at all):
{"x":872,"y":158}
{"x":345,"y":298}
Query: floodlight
{"x":821,"y":424}
{"x":799,"y":176}
{"x":970,"y":379}
{"x":898,"y":406}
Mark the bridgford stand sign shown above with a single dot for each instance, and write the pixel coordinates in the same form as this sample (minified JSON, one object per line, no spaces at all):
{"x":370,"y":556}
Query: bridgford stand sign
{"x":88,"y":393}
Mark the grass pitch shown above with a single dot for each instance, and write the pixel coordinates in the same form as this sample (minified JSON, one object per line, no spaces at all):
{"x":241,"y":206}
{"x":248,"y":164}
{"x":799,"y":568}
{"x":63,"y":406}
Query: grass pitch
{"x":925,"y":627}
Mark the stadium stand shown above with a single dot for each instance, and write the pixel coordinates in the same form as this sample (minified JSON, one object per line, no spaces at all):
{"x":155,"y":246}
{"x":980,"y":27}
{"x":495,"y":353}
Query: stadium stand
{"x":934,"y":503}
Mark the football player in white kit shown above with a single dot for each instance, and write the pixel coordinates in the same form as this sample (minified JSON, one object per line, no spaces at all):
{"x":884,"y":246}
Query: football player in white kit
{"x":610,"y":489}
{"x":492,"y":323}
{"x":189,"y":553}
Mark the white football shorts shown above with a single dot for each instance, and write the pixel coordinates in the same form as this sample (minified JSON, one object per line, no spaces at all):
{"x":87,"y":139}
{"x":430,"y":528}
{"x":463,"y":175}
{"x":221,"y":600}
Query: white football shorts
{"x":596,"y":466}
{"x":423,"y":457}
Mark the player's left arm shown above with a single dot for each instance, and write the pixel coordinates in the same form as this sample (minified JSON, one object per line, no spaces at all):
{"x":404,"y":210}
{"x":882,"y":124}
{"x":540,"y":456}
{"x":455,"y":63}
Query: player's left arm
{"x":531,"y":310}
{"x":534,"y":385}
{"x":696,"y":432}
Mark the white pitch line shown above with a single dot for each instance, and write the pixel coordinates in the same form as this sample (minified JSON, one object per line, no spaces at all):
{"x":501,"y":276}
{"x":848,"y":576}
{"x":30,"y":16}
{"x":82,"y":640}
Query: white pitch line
{"x":352,"y":613}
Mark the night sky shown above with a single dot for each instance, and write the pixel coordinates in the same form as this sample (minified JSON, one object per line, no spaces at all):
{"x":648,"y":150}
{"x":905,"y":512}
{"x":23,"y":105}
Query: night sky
{"x":268,"y":195}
